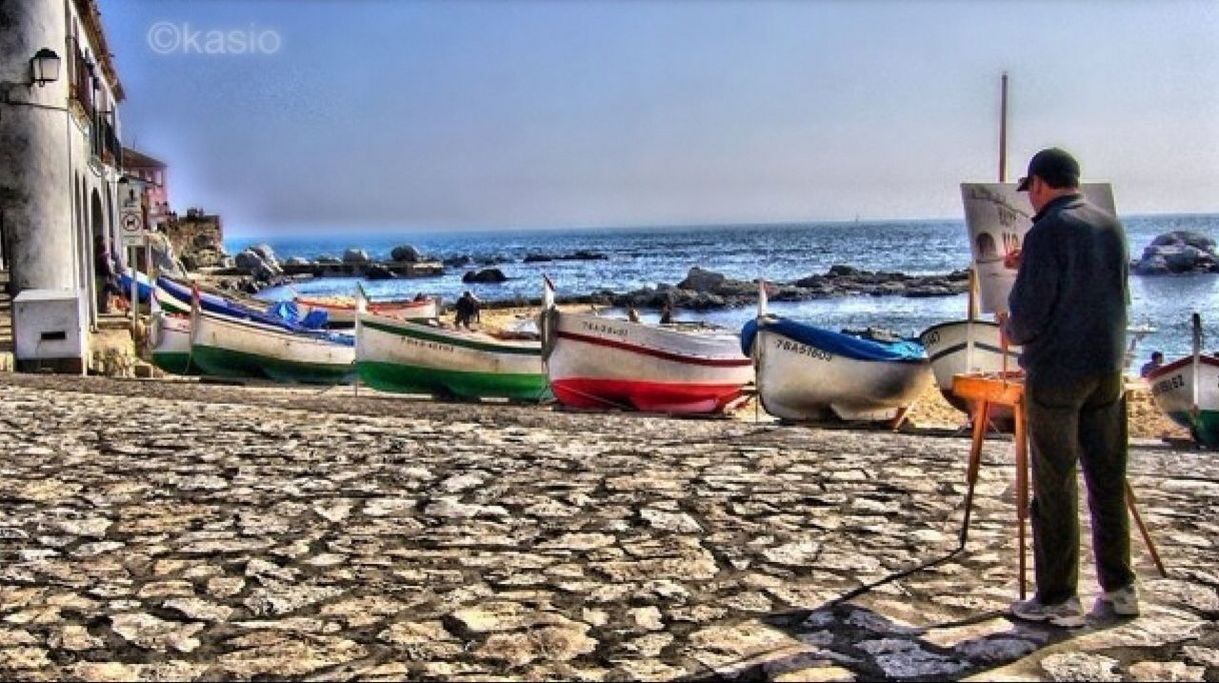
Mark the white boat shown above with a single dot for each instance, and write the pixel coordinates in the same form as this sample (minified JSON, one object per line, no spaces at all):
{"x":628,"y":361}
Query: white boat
{"x":597,"y":363}
{"x":963,"y":346}
{"x":228,"y":347}
{"x":806,"y":373}
{"x":1187,"y":390}
{"x":170,"y":343}
{"x":416,"y":357}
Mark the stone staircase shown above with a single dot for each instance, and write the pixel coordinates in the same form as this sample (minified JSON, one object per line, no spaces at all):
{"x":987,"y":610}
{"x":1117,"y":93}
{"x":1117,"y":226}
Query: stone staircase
{"x":6,"y":324}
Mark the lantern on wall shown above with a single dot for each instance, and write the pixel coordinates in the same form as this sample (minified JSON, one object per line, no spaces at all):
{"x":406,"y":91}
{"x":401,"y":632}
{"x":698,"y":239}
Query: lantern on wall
{"x":44,"y":67}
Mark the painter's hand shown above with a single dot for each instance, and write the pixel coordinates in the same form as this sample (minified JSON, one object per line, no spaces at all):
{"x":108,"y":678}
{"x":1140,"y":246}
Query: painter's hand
{"x":1012,"y":259}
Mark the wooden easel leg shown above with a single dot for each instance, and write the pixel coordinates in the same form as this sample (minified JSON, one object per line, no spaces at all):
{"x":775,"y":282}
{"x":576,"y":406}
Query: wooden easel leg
{"x":975,"y":461}
{"x":1022,"y":490}
{"x":1138,"y":520}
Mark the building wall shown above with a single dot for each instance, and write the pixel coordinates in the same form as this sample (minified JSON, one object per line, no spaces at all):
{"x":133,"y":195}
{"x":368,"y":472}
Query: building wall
{"x":55,"y":193}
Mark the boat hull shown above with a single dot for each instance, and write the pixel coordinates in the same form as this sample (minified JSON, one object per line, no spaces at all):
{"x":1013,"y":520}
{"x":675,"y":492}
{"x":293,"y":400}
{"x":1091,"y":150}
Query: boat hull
{"x":800,"y":382}
{"x":415,"y":358}
{"x":1172,"y":388}
{"x":343,"y":313}
{"x":946,"y":345}
{"x":226,"y":347}
{"x":172,"y":350}
{"x":599,"y":363}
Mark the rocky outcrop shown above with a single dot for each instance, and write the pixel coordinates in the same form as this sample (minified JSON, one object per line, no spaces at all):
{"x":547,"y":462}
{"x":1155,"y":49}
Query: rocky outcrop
{"x":163,"y":257}
{"x":1178,"y":252}
{"x":405,"y":254}
{"x":376,"y":271}
{"x":486,"y":275}
{"x":356,"y":256}
{"x":581,"y":255}
{"x":259,"y":262}
{"x":198,"y":239}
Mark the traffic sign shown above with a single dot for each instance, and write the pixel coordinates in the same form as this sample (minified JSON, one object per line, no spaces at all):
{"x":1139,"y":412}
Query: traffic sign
{"x":131,"y":224}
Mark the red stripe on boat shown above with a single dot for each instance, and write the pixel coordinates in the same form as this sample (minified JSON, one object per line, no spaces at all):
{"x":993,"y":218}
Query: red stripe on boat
{"x":1180,"y":363}
{"x":659,"y":397}
{"x":666,"y":355}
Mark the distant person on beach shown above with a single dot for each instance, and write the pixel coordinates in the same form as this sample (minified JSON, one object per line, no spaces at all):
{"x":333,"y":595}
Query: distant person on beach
{"x":420,"y":297}
{"x":1157,"y":360}
{"x":1069,"y":312}
{"x":105,"y":273}
{"x":632,"y":315}
{"x":666,"y":314}
{"x":467,"y":310}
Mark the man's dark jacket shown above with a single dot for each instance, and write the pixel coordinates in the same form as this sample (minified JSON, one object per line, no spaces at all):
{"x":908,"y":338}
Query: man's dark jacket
{"x":1068,"y":306}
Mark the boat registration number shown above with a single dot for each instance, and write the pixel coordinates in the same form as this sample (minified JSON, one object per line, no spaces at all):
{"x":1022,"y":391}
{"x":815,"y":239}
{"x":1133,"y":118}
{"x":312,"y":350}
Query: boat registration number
{"x":802,"y":349}
{"x":1168,"y":384}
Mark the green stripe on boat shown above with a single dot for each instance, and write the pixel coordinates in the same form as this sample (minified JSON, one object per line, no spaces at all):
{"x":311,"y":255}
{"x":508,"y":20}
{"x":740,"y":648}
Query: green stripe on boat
{"x":476,"y":345}
{"x":414,"y":379}
{"x":229,"y":363}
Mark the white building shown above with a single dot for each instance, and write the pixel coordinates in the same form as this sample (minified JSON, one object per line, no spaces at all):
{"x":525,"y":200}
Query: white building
{"x":60,"y":154}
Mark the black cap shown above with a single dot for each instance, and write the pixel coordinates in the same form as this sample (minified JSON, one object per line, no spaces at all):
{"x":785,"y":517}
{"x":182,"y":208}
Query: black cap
{"x":1053,"y":165}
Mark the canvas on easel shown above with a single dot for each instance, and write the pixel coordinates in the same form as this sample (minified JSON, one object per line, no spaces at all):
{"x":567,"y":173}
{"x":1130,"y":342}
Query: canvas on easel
{"x":997,"y":218}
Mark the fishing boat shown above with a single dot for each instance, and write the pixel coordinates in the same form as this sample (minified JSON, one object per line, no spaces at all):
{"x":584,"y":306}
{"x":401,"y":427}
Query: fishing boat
{"x":1187,"y":391}
{"x":170,"y":342}
{"x":963,"y":346}
{"x":341,"y":311}
{"x":232,"y":347}
{"x":419,"y":358}
{"x":176,"y":297}
{"x":143,"y":285}
{"x":807,"y":373}
{"x":595,"y":362}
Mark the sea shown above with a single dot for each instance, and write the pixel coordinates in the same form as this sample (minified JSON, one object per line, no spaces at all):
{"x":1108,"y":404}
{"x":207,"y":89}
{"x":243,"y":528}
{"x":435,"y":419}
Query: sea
{"x":638,"y":257}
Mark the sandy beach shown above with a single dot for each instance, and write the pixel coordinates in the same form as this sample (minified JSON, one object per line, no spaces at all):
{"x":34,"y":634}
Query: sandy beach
{"x":158,"y":530}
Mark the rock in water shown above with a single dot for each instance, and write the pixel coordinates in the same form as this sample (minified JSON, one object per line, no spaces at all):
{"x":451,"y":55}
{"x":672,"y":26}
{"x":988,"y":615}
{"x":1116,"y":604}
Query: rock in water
{"x":486,"y":275}
{"x":376,"y":272}
{"x":405,"y":253}
{"x":356,"y":256}
{"x":1180,"y":251}
{"x":701,"y":280}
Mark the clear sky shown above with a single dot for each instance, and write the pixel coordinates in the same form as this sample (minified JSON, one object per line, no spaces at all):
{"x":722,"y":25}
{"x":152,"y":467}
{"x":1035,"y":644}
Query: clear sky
{"x":368,"y":114}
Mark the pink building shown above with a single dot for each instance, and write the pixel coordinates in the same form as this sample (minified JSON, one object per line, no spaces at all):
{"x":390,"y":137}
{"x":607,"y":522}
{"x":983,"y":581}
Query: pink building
{"x":152,"y":173}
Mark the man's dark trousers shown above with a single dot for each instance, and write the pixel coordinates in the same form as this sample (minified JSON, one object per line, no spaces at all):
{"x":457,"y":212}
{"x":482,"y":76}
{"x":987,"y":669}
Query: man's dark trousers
{"x":1078,"y":420}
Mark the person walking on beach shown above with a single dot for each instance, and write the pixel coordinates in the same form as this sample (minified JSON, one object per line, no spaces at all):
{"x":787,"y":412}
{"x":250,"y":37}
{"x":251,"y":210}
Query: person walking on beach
{"x":666,"y":314}
{"x":1069,"y":312}
{"x":467,"y":310}
{"x":1157,"y":360}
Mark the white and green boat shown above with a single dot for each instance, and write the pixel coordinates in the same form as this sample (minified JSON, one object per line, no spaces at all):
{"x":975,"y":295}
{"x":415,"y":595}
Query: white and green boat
{"x":229,"y":347}
{"x":1187,"y":390}
{"x":171,"y":343}
{"x":420,"y":358}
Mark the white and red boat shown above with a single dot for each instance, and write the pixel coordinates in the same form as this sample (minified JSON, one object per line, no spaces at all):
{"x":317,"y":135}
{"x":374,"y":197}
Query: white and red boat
{"x":341,"y":310}
{"x":596,"y":363}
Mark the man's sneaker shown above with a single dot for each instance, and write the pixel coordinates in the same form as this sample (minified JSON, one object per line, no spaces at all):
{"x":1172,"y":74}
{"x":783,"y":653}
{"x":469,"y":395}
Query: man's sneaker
{"x":1124,"y":601}
{"x":1067,"y":614}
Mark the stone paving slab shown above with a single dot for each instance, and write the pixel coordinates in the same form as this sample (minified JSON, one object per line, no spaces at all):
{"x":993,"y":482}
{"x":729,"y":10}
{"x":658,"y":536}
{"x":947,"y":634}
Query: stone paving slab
{"x":169,"y":531}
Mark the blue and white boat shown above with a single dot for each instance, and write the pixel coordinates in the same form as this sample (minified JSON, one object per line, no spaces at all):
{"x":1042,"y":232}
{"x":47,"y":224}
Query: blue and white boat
{"x":806,"y":373}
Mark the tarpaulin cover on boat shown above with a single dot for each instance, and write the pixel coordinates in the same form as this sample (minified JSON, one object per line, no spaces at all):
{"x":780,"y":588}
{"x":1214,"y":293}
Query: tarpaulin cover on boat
{"x":834,"y":342}
{"x":288,"y":312}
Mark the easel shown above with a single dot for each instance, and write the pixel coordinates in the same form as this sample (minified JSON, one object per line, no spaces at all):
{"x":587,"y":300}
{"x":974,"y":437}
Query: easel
{"x":1007,"y":389}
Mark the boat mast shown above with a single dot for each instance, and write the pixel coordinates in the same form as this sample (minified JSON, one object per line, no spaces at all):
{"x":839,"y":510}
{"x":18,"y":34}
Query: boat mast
{"x":1003,"y":130}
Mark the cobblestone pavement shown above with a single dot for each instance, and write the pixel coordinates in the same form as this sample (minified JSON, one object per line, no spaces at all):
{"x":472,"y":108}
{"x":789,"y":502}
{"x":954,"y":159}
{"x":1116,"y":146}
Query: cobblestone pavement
{"x":159,"y":530}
